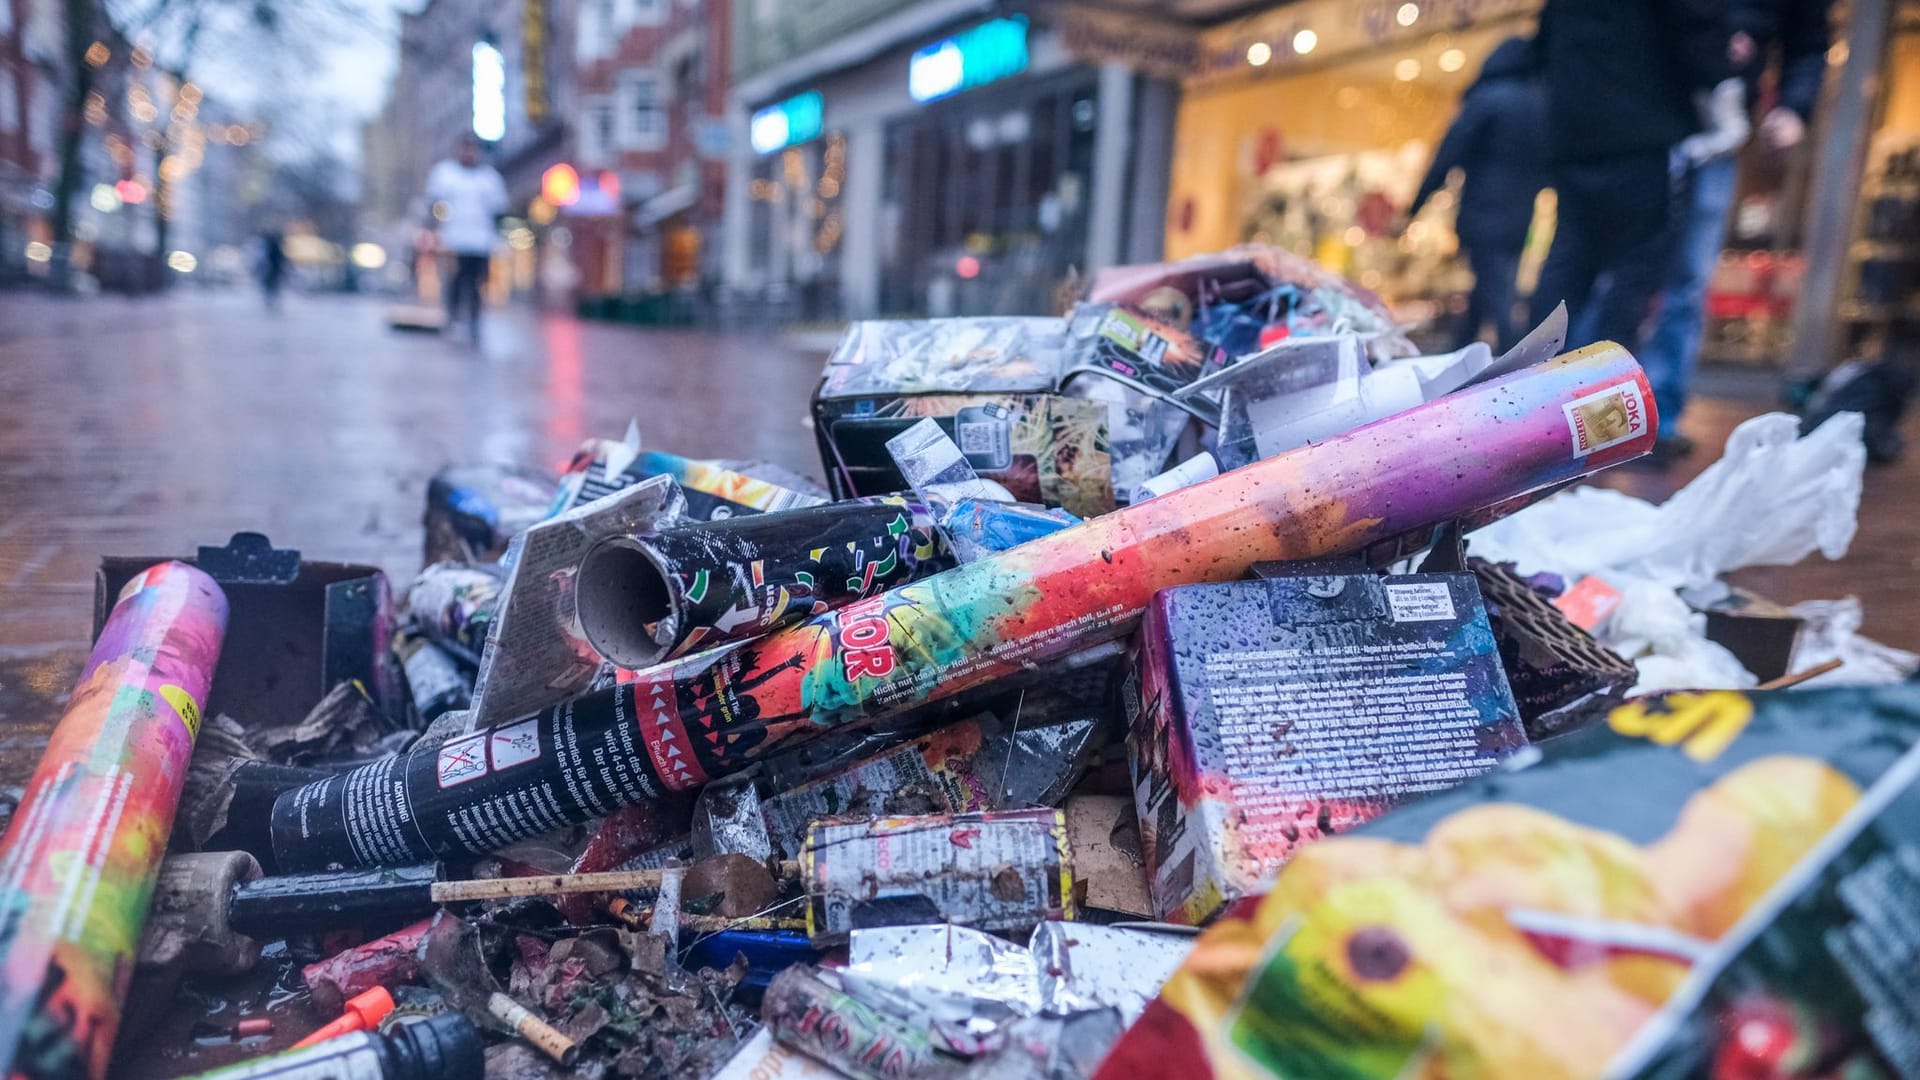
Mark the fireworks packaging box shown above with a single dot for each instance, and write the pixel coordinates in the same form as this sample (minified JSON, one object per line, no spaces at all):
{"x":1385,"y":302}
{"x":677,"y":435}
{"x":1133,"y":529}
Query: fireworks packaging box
{"x":1265,"y":715}
{"x":1006,"y":871}
{"x":297,"y":628}
{"x":992,"y":386}
{"x":975,"y":764}
{"x":1704,"y":885}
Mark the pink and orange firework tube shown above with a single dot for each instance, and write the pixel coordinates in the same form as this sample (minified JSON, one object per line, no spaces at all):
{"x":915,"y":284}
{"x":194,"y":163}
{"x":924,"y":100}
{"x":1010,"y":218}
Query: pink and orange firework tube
{"x":78,"y":862}
{"x":674,"y":727}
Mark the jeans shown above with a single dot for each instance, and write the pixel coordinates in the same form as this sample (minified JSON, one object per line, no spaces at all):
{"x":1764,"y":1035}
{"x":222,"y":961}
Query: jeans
{"x":1495,"y":265}
{"x":1673,"y":345}
{"x":1615,"y":222}
{"x":464,"y":290}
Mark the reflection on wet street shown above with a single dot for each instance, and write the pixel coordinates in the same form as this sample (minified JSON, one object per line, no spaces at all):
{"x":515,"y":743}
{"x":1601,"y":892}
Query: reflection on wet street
{"x":150,"y":427}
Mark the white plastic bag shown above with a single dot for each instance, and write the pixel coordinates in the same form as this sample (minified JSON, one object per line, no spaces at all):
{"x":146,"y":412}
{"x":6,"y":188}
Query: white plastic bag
{"x":1833,"y":632}
{"x":1771,"y":500}
{"x":1667,"y":642}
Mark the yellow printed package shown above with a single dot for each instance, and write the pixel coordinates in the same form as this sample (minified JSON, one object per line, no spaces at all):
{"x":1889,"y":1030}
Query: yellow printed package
{"x":1710,"y":884}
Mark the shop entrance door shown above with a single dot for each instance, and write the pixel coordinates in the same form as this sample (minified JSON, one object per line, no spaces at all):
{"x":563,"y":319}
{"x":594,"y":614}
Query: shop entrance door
{"x":986,"y":196}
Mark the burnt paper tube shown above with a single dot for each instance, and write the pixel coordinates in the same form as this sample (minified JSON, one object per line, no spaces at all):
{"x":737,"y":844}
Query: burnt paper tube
{"x":1471,"y":453}
{"x":644,"y":599}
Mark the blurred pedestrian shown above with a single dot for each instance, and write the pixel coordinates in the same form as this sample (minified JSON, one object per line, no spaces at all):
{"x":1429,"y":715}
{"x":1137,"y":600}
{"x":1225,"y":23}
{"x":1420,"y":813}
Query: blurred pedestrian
{"x":273,"y":267}
{"x":468,"y":196}
{"x":1621,"y":76}
{"x":1498,"y":141}
{"x":1798,"y":31}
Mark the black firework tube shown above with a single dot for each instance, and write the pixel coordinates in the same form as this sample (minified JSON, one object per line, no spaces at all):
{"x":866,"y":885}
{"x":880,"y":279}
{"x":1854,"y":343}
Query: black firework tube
{"x":645,"y":599}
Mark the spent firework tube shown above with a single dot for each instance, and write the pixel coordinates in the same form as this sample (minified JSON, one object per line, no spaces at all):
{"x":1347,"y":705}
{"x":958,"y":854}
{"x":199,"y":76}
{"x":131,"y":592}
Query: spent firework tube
{"x":644,"y":599}
{"x":677,"y":726}
{"x":78,"y":863}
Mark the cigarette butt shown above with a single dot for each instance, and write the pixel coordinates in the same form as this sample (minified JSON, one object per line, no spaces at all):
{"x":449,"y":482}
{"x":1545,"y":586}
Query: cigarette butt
{"x":533,"y":1029}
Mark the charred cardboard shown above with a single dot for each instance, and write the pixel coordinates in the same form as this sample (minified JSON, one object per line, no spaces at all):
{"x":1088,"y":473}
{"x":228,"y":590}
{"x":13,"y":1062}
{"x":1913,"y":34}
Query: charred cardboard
{"x":1264,"y":715}
{"x":1757,"y":631}
{"x":1561,"y":677}
{"x":296,"y":628}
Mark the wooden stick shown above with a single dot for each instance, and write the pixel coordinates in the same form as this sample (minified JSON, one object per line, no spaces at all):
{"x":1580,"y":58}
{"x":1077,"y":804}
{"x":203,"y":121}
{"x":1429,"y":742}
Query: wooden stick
{"x":1799,"y":677}
{"x":448,"y":892}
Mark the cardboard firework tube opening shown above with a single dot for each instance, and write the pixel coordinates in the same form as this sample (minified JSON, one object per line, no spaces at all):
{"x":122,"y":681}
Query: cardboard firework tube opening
{"x":625,"y":598}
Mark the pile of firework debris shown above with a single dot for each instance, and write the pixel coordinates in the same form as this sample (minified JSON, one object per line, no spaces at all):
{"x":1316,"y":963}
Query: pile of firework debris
{"x":1029,"y":746}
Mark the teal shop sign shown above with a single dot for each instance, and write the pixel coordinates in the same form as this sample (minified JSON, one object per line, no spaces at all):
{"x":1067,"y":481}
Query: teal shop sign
{"x":988,"y":52}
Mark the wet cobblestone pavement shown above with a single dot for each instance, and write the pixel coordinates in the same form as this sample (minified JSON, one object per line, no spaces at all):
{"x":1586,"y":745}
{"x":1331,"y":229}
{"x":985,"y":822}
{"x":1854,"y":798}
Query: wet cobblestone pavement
{"x":154,"y":426}
{"x":150,"y":427}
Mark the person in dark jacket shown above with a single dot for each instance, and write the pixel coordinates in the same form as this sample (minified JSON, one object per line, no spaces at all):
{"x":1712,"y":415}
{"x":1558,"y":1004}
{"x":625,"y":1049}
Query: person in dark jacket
{"x":1621,"y":76}
{"x":1498,"y":140}
{"x":1797,"y":30}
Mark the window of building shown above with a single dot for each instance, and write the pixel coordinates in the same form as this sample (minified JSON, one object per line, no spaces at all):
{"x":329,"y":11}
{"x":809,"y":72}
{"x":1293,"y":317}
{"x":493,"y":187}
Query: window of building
{"x":644,"y":125}
{"x":598,"y":30}
{"x":628,"y":14}
{"x":597,"y":132}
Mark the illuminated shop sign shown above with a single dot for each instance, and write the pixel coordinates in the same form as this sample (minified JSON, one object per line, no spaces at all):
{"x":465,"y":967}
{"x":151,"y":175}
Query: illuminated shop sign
{"x":489,"y":92}
{"x":786,"y":123}
{"x":976,"y":57}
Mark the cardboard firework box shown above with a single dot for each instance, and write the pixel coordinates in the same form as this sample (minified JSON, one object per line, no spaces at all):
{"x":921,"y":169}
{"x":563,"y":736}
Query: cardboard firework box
{"x":992,"y":386}
{"x":1264,"y":715}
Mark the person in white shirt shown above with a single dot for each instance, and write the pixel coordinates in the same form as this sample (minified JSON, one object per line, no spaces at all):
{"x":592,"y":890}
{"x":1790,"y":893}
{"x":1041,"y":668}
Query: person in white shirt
{"x":473,"y":196}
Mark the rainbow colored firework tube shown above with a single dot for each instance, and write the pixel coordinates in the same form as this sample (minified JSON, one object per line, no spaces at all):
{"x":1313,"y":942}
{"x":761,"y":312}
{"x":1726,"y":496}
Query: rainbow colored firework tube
{"x":77,"y":865}
{"x":674,"y":727}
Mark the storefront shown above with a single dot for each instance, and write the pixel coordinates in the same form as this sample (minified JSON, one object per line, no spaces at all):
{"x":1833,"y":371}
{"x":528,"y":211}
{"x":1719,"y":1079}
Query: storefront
{"x":967,"y":168}
{"x":1877,"y":262}
{"x":986,"y":198}
{"x":1310,"y":127}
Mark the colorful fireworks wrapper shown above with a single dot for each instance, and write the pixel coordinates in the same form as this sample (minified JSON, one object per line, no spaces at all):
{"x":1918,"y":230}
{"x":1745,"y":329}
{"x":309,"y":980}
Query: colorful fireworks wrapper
{"x":1706,"y":884}
{"x":714,"y":490}
{"x":1237,"y":294}
{"x":78,"y":862}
